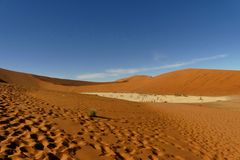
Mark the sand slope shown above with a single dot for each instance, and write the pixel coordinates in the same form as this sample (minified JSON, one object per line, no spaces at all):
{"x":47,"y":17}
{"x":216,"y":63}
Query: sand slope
{"x":52,"y":121}
{"x":35,"y":81}
{"x":33,"y":128}
{"x":195,"y":82}
{"x":18,"y":78}
{"x":188,"y":82}
{"x":55,"y":125}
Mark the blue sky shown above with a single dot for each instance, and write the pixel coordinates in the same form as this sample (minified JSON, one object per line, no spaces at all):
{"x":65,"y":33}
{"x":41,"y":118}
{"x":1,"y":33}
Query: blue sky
{"x":110,"y":39}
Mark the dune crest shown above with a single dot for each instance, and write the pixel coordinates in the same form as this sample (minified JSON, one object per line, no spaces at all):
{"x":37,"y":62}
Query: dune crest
{"x":46,"y":118}
{"x":199,"y":82}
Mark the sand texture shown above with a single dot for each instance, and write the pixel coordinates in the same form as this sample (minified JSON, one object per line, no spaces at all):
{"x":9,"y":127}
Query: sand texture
{"x":43,"y":125}
{"x":42,"y":118}
{"x":198,"y":82}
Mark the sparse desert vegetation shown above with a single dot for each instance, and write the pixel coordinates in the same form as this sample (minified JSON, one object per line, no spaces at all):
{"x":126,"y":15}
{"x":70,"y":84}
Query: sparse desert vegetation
{"x":51,"y":122}
{"x":119,"y":80}
{"x":48,"y":121}
{"x":92,"y":113}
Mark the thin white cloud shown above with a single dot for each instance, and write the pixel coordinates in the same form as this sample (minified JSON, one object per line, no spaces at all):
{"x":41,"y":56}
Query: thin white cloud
{"x":118,"y":72}
{"x":92,"y":75}
{"x":123,"y":71}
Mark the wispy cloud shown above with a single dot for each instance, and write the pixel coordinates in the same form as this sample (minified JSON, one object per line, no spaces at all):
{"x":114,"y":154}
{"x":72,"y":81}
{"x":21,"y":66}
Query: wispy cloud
{"x":118,"y":72}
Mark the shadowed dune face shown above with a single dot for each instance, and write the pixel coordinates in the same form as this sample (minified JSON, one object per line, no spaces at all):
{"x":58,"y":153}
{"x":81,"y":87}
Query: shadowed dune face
{"x":2,"y":81}
{"x":21,"y":79}
{"x":42,"y":124}
{"x":52,"y":121}
{"x":188,"y":82}
{"x":27,"y":130}
{"x":35,"y":81}
{"x":66,"y":82}
{"x":33,"y":128}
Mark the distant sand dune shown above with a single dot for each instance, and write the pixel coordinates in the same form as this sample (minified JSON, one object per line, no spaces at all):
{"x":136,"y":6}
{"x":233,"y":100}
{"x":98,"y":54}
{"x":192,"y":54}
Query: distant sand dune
{"x":47,"y":119}
{"x":204,"y":82}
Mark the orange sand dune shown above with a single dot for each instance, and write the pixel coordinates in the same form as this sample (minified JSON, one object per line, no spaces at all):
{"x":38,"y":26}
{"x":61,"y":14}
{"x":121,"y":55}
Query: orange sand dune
{"x":53,"y":125}
{"x":195,"y":82}
{"x":44,"y":118}
{"x":66,"y":82}
{"x":188,"y":81}
{"x":34,"y":81}
{"x":22,"y":79}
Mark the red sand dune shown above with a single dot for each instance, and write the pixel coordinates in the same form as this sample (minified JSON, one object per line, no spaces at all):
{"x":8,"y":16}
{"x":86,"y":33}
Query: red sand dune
{"x":22,"y":79}
{"x":195,"y":82}
{"x":188,"y":81}
{"x":45,"y":119}
{"x":32,"y":81}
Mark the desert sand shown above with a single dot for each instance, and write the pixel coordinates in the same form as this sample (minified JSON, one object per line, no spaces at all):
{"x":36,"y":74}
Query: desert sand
{"x":198,"y":82}
{"x":42,"y":118}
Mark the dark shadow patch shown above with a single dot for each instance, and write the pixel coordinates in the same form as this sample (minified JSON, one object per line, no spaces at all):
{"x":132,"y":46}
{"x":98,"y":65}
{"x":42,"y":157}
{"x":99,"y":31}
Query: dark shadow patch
{"x":51,"y":145}
{"x":118,"y":156}
{"x":23,"y":149}
{"x":66,"y":82}
{"x":26,"y":127}
{"x":39,"y":146}
{"x":16,"y":133}
{"x":65,"y":143}
{"x":9,"y":152}
{"x":102,"y":117}
{"x":34,"y":137}
{"x":2,"y":138}
{"x":52,"y":157}
{"x":2,"y":81}
{"x":13,"y":145}
{"x":49,"y":139}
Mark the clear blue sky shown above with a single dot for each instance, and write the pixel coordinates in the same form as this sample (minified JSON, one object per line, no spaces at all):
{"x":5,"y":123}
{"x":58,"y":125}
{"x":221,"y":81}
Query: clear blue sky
{"x":104,"y":40}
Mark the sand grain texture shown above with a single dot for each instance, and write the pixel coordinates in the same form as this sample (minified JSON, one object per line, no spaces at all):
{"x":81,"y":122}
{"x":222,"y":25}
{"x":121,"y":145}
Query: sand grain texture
{"x":43,"y":120}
